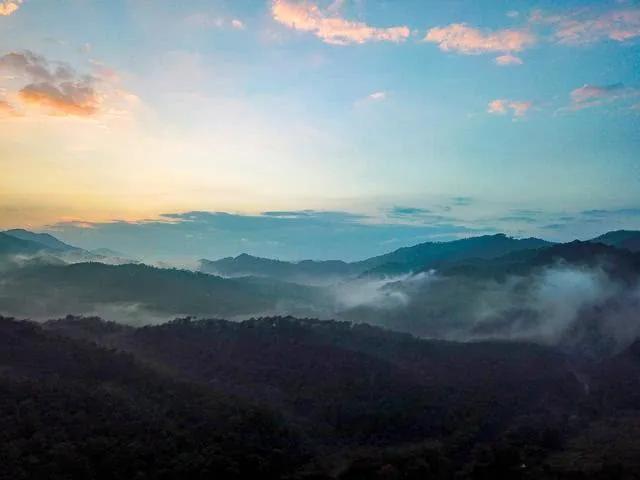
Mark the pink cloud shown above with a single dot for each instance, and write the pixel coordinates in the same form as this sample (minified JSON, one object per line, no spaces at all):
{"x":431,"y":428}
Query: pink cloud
{"x":330,"y":27}
{"x":503,"y":106}
{"x":508,"y":59}
{"x":461,"y":38}
{"x":520,"y":109}
{"x":594,"y":95}
{"x":8,"y":7}
{"x":498,"y":107}
{"x":237,"y":24}
{"x":587,"y":26}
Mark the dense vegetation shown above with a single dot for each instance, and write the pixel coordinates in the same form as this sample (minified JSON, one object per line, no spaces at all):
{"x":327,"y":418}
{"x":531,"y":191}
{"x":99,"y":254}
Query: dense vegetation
{"x":287,"y":398}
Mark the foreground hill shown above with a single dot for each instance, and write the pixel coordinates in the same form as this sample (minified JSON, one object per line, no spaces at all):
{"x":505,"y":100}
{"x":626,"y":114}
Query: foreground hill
{"x":70,"y":409}
{"x":84,"y":398}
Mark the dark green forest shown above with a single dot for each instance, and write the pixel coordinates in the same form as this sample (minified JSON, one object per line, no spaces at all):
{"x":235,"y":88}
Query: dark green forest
{"x":292,"y":398}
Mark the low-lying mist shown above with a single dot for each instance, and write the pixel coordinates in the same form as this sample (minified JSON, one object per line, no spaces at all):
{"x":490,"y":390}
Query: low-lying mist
{"x":576,"y":307}
{"x":580,"y":308}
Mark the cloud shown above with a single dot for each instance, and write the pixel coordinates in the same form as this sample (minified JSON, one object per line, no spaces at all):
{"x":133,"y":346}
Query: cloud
{"x":464,"y":39}
{"x":377,"y":96}
{"x":508,"y":59}
{"x":462,"y":201}
{"x":68,"y":98}
{"x":206,"y":20}
{"x":585,"y":26}
{"x":56,"y":88}
{"x":330,"y":27}
{"x":503,"y":106}
{"x":8,"y":7}
{"x":595,"y":95}
{"x":398,"y":211}
{"x":34,"y":67}
{"x":600,"y":213}
{"x":6,"y":109}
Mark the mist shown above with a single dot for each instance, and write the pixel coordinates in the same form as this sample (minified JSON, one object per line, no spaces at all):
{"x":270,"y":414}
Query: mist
{"x":586,"y":309}
{"x":579,"y":308}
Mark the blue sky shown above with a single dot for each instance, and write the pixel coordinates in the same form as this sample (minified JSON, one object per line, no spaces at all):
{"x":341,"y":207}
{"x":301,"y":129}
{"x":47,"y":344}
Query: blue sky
{"x":353,"y":106}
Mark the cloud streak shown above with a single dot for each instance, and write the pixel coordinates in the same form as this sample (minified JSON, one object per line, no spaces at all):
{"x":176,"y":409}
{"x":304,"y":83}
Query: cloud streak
{"x":467,"y":40}
{"x":585,"y":26}
{"x":330,"y":27}
{"x":595,"y":95}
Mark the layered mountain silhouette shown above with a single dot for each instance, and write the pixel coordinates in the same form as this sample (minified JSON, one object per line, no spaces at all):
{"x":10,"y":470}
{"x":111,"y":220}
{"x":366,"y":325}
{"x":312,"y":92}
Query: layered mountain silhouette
{"x":484,"y":287}
{"x":500,"y":358}
{"x":401,"y":261}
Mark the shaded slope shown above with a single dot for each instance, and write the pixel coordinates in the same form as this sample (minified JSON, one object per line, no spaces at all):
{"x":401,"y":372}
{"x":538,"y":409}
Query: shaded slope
{"x":83,"y":287}
{"x":628,"y":239}
{"x":69,"y":409}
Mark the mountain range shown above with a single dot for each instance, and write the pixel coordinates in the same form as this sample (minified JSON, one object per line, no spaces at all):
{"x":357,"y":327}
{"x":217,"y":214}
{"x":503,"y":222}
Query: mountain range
{"x":482,"y":358}
{"x":44,"y":248}
{"x":484,"y":287}
{"x":402,"y":261}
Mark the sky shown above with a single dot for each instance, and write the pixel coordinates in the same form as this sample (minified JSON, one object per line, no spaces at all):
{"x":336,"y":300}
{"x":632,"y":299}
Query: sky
{"x":318,"y":128}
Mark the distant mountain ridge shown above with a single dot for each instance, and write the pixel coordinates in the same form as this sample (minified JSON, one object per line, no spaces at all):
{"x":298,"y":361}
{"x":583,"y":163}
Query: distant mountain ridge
{"x":628,"y":239}
{"x":401,"y":261}
{"x":303,"y":271}
{"x":10,"y":245}
{"x":50,"y":249}
{"x":48,"y":241}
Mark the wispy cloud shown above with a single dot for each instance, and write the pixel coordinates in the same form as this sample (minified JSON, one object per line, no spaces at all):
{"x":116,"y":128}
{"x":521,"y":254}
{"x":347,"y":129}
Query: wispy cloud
{"x":329,"y":26}
{"x":595,"y":95}
{"x":508,"y":59}
{"x":207,"y":20}
{"x":7,"y":110}
{"x":237,"y":24}
{"x":464,"y":39}
{"x":462,"y":201}
{"x":587,"y":25}
{"x":400,"y":211}
{"x":377,"y":96}
{"x":502,"y":106}
{"x":8,"y":7}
